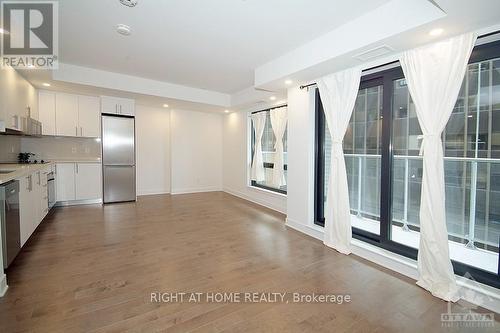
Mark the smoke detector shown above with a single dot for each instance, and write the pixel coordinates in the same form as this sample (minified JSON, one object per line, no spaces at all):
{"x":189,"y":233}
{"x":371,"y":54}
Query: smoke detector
{"x":129,"y":3}
{"x":123,"y":29}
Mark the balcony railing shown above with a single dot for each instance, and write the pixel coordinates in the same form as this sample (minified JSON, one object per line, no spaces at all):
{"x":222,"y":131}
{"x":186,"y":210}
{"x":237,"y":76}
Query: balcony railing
{"x":462,"y":177}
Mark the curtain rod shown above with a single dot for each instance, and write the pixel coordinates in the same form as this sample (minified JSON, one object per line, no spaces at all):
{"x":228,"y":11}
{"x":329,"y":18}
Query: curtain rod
{"x":269,"y":109}
{"x":364,"y":70}
{"x":393,"y":62}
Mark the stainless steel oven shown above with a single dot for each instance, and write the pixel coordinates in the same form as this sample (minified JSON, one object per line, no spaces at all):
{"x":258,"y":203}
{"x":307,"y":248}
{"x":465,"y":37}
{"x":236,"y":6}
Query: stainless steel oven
{"x":51,"y":189}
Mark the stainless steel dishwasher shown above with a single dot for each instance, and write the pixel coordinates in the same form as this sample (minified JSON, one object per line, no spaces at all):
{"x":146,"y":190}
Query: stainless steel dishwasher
{"x":9,"y":216}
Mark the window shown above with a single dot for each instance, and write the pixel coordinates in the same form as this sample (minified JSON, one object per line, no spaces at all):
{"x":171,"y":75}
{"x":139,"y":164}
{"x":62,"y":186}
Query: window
{"x":268,"y":152}
{"x":384,"y":168}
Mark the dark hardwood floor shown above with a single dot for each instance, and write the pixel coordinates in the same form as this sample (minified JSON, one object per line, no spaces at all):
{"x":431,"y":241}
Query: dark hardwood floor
{"x":93,"y":269}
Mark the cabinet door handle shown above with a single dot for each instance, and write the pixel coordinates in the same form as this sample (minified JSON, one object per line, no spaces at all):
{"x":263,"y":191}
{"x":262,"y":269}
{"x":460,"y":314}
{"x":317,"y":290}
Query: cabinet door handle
{"x":76,"y":130}
{"x":39,"y":179}
{"x":81,"y":131}
{"x":120,"y":108}
{"x":76,"y":165}
{"x":116,"y":108}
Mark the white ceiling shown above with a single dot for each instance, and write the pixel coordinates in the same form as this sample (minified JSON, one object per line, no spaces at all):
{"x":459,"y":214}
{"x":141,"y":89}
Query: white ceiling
{"x":381,"y":27}
{"x":214,"y":45}
{"x":203,"y":54}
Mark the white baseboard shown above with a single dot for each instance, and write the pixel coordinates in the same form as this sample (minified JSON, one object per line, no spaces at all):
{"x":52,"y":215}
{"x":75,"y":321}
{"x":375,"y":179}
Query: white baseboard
{"x":3,"y":285}
{"x":314,"y":232}
{"x":152,"y":192}
{"x":195,"y":190}
{"x":256,"y":201}
{"x":471,"y":291}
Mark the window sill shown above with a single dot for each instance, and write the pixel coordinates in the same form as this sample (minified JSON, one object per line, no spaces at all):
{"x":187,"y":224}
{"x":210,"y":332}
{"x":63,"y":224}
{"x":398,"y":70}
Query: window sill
{"x":266,"y":191}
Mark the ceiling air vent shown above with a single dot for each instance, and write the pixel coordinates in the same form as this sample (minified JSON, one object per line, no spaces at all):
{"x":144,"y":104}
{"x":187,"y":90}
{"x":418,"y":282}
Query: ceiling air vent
{"x":129,"y":3}
{"x":374,"y":53}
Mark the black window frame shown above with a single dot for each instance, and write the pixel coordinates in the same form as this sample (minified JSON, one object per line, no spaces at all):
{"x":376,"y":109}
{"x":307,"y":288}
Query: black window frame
{"x":267,"y":165}
{"x":386,"y":78}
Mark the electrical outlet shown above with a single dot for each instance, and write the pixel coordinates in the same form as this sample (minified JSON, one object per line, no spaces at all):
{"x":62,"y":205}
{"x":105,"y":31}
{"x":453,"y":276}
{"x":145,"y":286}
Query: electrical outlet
{"x":12,"y":149}
{"x":73,"y":150}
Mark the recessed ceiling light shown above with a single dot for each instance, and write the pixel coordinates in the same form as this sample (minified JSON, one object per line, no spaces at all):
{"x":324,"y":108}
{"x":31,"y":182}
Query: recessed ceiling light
{"x":45,"y":84}
{"x":226,"y":111}
{"x":2,"y":31}
{"x":165,"y":105}
{"x":272,"y":98}
{"x":436,"y":32}
{"x":123,"y":29}
{"x":288,"y":82}
{"x":31,"y":66}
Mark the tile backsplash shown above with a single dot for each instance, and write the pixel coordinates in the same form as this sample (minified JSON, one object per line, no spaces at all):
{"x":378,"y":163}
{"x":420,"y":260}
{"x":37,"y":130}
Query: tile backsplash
{"x":10,"y":146}
{"x":53,"y":148}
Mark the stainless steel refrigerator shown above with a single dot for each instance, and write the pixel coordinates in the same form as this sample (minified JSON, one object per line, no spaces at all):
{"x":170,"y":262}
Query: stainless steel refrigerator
{"x":118,"y":158}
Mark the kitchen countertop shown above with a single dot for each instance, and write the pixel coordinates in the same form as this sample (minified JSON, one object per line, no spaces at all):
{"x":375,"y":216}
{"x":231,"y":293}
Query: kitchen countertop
{"x":76,"y":160}
{"x":19,"y":170}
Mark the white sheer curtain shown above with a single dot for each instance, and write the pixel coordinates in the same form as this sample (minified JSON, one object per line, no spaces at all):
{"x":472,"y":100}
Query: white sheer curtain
{"x":338,"y":94}
{"x":434,"y":74}
{"x":279,"y":120}
{"x":259,"y":122}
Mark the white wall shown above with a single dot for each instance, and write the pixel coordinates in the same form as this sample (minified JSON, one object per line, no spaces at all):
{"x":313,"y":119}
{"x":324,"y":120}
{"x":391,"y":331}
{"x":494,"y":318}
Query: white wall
{"x":152,"y":127}
{"x":301,"y":121}
{"x":196,"y":151}
{"x":236,"y":164}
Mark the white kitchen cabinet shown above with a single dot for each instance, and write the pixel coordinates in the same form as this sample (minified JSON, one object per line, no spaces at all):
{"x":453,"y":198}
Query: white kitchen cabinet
{"x":127,"y":107}
{"x":78,"y":181}
{"x":27,"y":210}
{"x":89,"y":117}
{"x":66,"y":115}
{"x":88,"y":183}
{"x":116,"y":105}
{"x":47,"y":111}
{"x":65,"y":182}
{"x":16,"y":96}
{"x":40,"y":197}
{"x":69,"y":115}
{"x":33,"y":202}
{"x":109,"y":104}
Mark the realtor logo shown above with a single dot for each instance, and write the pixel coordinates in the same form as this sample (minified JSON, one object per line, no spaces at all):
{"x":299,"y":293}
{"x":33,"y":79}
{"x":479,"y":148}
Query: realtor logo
{"x":29,"y":38}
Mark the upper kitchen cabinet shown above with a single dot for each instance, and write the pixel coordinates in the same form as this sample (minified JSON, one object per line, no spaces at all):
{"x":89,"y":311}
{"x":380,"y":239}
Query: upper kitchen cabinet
{"x":89,"y":117}
{"x":47,"y":111}
{"x":69,"y":115}
{"x":17,"y":98}
{"x":66,"y":115}
{"x":115,"y":105}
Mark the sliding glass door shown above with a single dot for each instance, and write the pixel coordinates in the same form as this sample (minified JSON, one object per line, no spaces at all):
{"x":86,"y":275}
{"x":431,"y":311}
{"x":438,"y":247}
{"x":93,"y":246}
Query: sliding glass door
{"x":384,"y":166}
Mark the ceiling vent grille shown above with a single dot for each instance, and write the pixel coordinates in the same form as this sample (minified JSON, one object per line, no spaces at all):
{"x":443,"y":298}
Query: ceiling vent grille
{"x":129,"y":3}
{"x":374,"y":53}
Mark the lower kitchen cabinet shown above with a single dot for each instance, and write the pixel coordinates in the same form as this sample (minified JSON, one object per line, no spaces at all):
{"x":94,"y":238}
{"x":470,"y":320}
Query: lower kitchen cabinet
{"x":33,"y":202}
{"x":88,"y":184}
{"x":27,"y":211}
{"x":65,"y":182}
{"x":78,"y":181}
